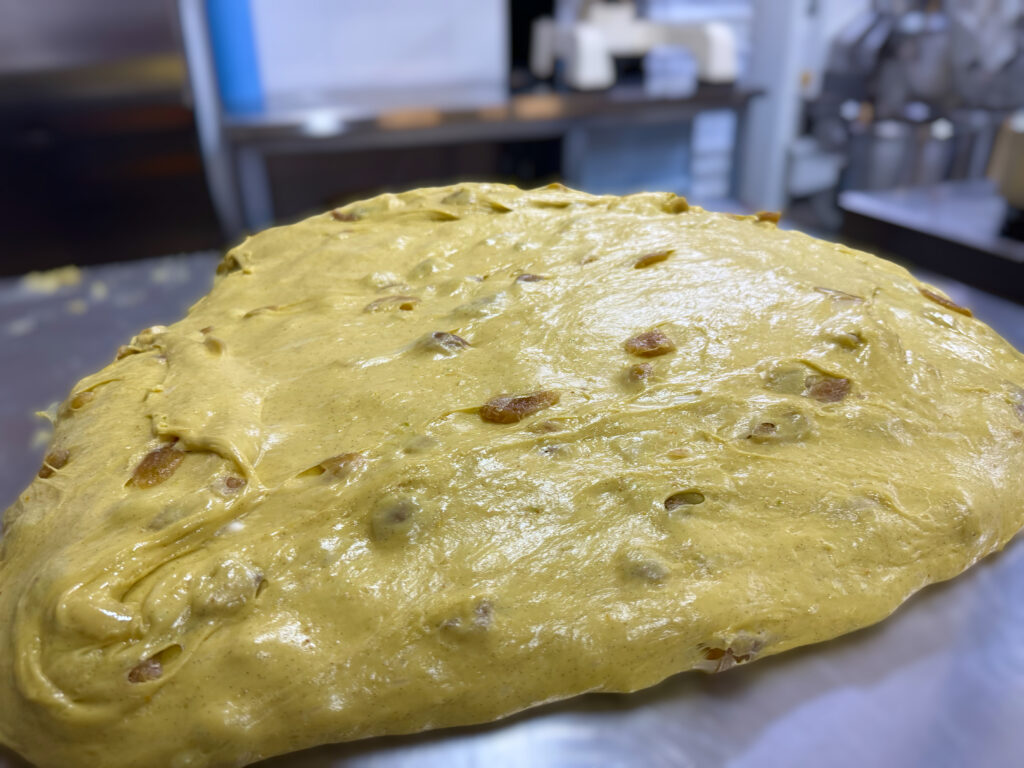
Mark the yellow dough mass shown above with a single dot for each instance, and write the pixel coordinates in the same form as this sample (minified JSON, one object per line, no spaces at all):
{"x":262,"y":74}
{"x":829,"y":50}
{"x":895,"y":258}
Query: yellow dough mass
{"x":435,"y":457}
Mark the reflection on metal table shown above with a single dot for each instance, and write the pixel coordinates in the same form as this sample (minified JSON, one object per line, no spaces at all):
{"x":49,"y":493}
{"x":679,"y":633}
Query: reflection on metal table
{"x":941,"y":683}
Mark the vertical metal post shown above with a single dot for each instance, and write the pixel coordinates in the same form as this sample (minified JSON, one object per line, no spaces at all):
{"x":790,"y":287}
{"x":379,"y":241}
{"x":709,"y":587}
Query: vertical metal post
{"x":217,"y":160}
{"x":771,"y":123}
{"x":254,"y":187}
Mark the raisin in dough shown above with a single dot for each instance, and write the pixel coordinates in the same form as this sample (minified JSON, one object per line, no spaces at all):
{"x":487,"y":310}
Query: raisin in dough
{"x":435,"y":457}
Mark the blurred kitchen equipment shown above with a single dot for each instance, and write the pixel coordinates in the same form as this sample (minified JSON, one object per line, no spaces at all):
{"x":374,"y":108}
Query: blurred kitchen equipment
{"x":343,"y":109}
{"x":974,"y":133}
{"x":912,"y":94}
{"x":589,"y":44}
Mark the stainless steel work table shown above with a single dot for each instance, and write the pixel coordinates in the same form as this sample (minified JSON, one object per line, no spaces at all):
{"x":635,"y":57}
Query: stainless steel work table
{"x":940,"y":684}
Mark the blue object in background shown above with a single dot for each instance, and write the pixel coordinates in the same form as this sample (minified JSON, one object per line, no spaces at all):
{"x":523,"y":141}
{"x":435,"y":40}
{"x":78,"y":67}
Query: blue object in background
{"x":233,"y":43}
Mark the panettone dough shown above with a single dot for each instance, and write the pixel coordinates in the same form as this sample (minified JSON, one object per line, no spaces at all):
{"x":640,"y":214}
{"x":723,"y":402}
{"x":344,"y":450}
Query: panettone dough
{"x":435,"y":457}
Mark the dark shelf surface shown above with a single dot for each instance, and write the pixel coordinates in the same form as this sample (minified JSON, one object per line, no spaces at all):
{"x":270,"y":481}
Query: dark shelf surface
{"x":472,"y":112}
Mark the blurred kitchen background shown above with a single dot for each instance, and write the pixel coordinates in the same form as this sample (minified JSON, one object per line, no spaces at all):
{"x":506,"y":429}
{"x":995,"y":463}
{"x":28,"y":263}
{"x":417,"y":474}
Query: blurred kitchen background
{"x":138,"y":128}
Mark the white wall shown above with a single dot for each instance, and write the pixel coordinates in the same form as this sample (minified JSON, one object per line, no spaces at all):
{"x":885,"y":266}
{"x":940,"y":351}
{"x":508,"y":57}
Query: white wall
{"x":323,"y":45}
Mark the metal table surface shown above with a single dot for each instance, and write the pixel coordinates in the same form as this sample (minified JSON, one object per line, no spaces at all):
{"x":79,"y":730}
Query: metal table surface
{"x":940,"y":684}
{"x":953,"y":227}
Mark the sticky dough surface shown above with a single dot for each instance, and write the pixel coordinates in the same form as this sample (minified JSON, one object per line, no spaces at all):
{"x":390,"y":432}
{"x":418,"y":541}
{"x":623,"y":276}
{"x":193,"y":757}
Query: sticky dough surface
{"x":439,"y":456}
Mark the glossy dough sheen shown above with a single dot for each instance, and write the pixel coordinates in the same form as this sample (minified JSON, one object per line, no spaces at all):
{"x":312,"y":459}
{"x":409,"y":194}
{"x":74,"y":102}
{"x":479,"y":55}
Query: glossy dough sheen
{"x":439,"y":456}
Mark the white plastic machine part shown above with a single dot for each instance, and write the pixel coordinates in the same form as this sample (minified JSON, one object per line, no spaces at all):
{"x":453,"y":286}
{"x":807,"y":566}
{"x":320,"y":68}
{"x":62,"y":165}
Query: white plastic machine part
{"x":609,"y":30}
